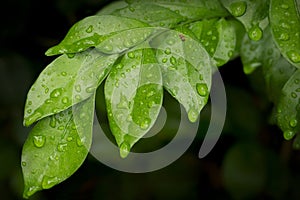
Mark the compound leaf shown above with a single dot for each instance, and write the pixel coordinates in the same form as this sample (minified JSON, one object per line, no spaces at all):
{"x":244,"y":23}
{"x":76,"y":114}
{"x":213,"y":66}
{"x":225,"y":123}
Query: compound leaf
{"x":133,"y":94}
{"x":57,"y":146}
{"x":65,"y":82}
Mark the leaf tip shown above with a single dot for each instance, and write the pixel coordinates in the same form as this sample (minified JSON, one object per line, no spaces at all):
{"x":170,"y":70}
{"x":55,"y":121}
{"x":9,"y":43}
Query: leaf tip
{"x":124,"y":149}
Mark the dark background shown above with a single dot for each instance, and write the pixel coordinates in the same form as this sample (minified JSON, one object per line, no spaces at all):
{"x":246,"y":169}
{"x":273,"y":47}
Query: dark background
{"x":250,"y":161}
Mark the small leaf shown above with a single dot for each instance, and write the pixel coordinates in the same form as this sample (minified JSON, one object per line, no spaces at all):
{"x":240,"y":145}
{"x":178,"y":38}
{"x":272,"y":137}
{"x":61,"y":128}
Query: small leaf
{"x":57,"y":146}
{"x":285,"y":24}
{"x":92,"y":31}
{"x":151,"y":14}
{"x":65,"y":82}
{"x":259,"y":53}
{"x":133,"y":94}
{"x":191,"y":9}
{"x":252,"y":14}
{"x":288,"y":109}
{"x":186,"y":68}
{"x":218,"y":38}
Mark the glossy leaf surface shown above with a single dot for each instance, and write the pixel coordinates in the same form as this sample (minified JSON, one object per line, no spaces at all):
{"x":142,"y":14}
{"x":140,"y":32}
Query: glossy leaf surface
{"x":285,"y":24}
{"x":57,"y":146}
{"x":133,"y":93}
{"x":65,"y":82}
{"x":186,"y":69}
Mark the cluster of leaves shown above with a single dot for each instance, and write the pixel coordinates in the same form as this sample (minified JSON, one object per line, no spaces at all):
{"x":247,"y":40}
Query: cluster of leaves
{"x":140,"y":47}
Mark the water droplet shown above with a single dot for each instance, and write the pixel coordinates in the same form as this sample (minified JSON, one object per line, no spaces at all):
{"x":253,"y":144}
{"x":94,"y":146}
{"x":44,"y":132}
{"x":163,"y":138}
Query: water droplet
{"x":293,"y":123}
{"x":71,"y":55}
{"x":29,"y":103}
{"x":79,"y":141}
{"x":39,"y":140}
{"x":192,"y":115}
{"x":56,"y":93}
{"x":284,"y":6}
{"x":62,"y":147}
{"x":202,"y":89}
{"x":49,"y":182}
{"x":29,"y":111}
{"x":64,"y":73}
{"x":284,"y":37}
{"x":294,"y":56}
{"x":90,"y":29}
{"x":288,"y":134}
{"x":52,"y":121}
{"x":78,"y":88}
{"x":108,"y":47}
{"x":90,"y":89}
{"x":209,"y":32}
{"x":294,"y":95}
{"x":131,"y":9}
{"x":24,"y":164}
{"x":168,"y":51}
{"x":78,"y":97}
{"x":145,"y":124}
{"x":124,"y":149}
{"x":164,"y":60}
{"x":131,"y":55}
{"x":173,"y":60}
{"x":238,"y":8}
{"x":69,"y":139}
{"x":65,"y":100}
{"x":255,"y":33}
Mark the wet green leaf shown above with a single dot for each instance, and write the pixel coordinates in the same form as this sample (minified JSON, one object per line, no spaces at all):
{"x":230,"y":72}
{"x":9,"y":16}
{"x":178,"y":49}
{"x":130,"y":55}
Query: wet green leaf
{"x":285,"y":24}
{"x":57,"y":146}
{"x":259,"y":53}
{"x":133,"y":94}
{"x":288,"y":109}
{"x":191,"y":9}
{"x":65,"y":82}
{"x":276,"y":75}
{"x":92,"y":31}
{"x":113,"y":6}
{"x":151,"y":14}
{"x":218,"y":38}
{"x":252,"y":14}
{"x":186,"y":69}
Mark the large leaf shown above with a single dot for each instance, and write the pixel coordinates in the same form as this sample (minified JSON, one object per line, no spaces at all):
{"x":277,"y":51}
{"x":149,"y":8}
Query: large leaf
{"x":285,"y":24}
{"x":151,"y":14}
{"x":92,"y":31}
{"x":186,"y":68}
{"x":57,"y":146}
{"x":191,"y":9}
{"x":113,"y":6}
{"x":65,"y":82}
{"x":253,"y":15}
{"x":259,"y":53}
{"x":133,"y":94}
{"x":218,"y":38}
{"x":288,"y":109}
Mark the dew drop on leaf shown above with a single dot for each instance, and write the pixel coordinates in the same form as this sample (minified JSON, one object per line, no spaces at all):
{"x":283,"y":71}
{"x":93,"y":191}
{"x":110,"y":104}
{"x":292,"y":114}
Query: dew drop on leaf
{"x":65,"y":100}
{"x":294,"y":56}
{"x":288,"y":134}
{"x":71,"y":55}
{"x":173,"y":60}
{"x":62,"y":147}
{"x":52,"y":122}
{"x":49,"y":182}
{"x":192,"y":115}
{"x":131,"y":55}
{"x":145,"y":124}
{"x":78,"y":88}
{"x":124,"y":149}
{"x":24,"y":164}
{"x":168,"y":51}
{"x":293,"y":123}
{"x":202,"y":89}
{"x":90,"y":29}
{"x":255,"y":33}
{"x":39,"y":140}
{"x":238,"y":9}
{"x":56,"y":93}
{"x":284,"y":37}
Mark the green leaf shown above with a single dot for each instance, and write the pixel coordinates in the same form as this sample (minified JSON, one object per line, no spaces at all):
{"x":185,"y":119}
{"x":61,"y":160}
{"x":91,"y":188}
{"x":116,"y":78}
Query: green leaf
{"x":218,"y":38}
{"x":113,"y":6}
{"x":253,"y":15}
{"x":133,"y":94}
{"x":151,"y":14}
{"x":288,"y":109}
{"x":259,"y":53}
{"x":57,"y":146}
{"x":92,"y":31}
{"x":276,"y":76}
{"x":65,"y":82}
{"x":186,"y":68}
{"x":285,"y":24}
{"x":191,"y":9}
